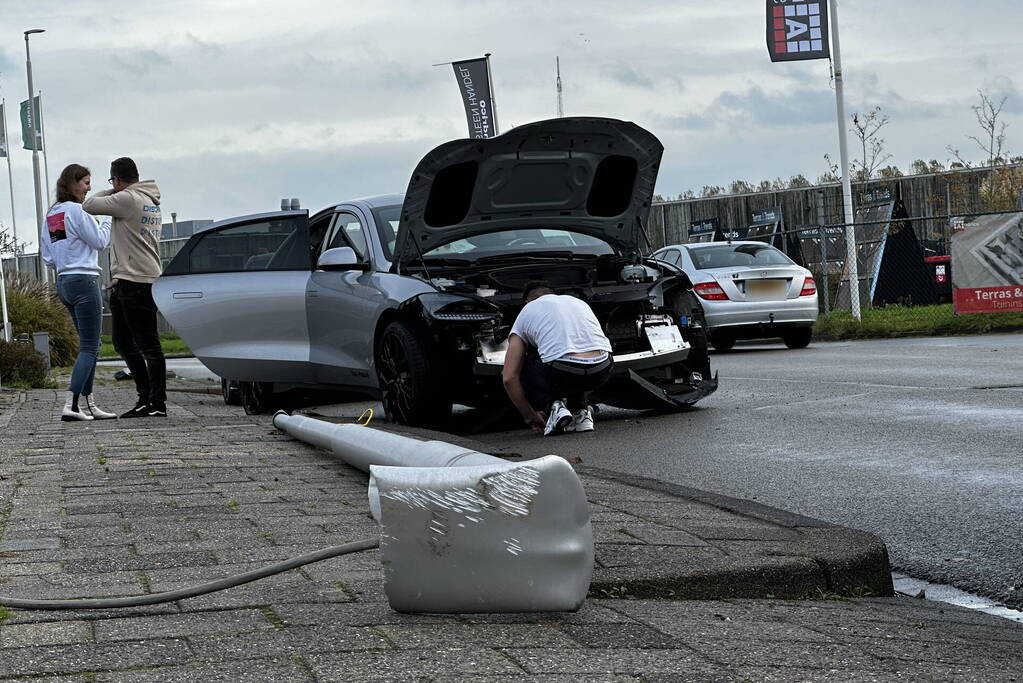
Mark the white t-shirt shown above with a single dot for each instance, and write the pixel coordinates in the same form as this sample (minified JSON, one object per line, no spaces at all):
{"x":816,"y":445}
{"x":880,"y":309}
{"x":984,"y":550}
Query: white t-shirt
{"x":558,"y":325}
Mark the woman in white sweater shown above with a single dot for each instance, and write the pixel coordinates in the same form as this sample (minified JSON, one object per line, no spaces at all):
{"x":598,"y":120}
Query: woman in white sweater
{"x":70,"y":241}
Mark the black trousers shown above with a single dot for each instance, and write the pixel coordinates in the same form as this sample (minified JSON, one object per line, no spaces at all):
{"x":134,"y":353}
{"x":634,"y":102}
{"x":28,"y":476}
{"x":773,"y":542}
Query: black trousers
{"x":545,"y":383}
{"x":135,"y":338}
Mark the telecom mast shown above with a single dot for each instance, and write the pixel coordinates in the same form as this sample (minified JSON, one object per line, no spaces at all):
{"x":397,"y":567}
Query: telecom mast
{"x":557,"y":67}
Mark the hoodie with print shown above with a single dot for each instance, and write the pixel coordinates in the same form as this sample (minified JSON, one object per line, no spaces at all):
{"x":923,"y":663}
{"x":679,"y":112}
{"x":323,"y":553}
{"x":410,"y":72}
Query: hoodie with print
{"x":135,"y":235}
{"x":70,"y":239}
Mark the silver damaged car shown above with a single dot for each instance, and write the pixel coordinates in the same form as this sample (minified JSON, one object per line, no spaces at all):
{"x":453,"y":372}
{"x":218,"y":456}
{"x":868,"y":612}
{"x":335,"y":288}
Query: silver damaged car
{"x":411,"y":298}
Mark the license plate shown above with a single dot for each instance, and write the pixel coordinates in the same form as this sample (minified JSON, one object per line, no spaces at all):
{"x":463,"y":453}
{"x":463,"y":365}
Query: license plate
{"x":664,"y":338}
{"x":766,"y":289}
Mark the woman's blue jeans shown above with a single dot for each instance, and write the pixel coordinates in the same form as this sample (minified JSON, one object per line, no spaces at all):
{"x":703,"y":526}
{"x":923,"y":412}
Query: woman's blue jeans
{"x":80,"y":294}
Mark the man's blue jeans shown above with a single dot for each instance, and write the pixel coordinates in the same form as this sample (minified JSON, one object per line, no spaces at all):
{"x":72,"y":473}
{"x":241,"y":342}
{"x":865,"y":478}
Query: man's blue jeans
{"x":80,"y":294}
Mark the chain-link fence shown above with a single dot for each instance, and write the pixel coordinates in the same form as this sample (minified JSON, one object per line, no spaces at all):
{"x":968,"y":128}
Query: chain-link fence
{"x":903,"y":234}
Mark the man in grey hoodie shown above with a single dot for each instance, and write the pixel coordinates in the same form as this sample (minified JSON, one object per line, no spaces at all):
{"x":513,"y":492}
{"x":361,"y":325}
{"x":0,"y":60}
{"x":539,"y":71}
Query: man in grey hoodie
{"x":134,"y":206}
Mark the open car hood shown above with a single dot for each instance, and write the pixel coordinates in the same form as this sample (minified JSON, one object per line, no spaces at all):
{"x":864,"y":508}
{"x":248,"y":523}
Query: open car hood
{"x":588,"y":175}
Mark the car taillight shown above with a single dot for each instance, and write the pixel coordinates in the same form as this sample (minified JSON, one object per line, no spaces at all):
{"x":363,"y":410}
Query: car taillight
{"x":809,"y":287}
{"x":711,"y":291}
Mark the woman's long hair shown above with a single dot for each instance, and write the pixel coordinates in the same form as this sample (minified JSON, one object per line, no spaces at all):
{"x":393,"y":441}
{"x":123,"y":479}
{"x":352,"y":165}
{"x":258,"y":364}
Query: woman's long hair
{"x":68,"y":177}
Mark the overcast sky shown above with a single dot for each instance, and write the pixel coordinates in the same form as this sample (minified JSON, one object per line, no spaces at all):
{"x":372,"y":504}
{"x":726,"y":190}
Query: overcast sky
{"x":232,"y":104}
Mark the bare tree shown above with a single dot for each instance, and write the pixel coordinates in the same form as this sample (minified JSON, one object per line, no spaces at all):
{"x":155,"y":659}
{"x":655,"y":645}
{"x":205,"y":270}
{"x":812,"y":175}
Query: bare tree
{"x":992,"y":138}
{"x":711,"y":190}
{"x":740,"y":187}
{"x":889,"y":172}
{"x":798,"y":181}
{"x":866,"y":128}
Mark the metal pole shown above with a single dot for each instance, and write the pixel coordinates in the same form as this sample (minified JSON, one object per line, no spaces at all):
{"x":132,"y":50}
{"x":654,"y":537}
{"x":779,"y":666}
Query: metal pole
{"x":35,"y":153}
{"x":3,"y":304}
{"x":493,"y":101}
{"x":843,"y":149}
{"x":46,"y":163}
{"x":10,"y":183}
{"x":824,"y":251}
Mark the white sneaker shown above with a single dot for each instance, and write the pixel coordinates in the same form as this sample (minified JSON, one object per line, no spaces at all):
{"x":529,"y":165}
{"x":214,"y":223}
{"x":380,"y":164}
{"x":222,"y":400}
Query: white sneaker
{"x":92,"y":409}
{"x":69,"y":414}
{"x":582,"y":421}
{"x":558,"y":419}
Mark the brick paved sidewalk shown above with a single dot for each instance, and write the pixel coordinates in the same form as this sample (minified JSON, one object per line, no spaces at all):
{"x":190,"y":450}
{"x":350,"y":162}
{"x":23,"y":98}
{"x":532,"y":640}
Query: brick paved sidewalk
{"x":129,"y":507}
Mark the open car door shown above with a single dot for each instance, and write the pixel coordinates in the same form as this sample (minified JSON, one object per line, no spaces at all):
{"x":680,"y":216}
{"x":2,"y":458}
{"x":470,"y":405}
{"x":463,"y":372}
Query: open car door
{"x":236,"y":295}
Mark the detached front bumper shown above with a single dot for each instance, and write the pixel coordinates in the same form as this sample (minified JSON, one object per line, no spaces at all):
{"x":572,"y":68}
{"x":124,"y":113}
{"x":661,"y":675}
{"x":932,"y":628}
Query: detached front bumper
{"x":642,"y":380}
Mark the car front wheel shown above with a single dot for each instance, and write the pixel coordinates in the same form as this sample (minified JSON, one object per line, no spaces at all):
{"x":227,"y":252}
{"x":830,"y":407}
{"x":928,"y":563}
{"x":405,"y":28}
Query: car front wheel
{"x":412,"y":393}
{"x":798,"y":338}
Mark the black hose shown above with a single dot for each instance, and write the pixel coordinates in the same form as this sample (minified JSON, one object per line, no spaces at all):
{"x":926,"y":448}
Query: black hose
{"x":202,"y":589}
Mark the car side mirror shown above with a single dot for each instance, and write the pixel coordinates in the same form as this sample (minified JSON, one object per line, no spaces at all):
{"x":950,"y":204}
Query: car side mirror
{"x":340,"y":258}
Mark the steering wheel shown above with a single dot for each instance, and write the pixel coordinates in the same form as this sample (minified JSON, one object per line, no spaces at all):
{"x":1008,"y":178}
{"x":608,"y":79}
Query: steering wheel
{"x":524,"y":242}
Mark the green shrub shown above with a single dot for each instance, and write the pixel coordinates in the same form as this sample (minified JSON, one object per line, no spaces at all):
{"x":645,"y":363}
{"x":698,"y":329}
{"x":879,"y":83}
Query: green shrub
{"x":21,"y":364}
{"x":34,"y":307}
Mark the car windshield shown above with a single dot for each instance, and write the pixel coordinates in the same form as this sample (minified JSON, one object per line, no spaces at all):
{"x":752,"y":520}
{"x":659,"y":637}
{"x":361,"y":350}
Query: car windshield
{"x":738,"y":255}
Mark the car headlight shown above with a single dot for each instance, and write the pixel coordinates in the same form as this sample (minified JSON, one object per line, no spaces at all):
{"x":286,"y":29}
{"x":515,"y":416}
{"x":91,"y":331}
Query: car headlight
{"x":454,"y":308}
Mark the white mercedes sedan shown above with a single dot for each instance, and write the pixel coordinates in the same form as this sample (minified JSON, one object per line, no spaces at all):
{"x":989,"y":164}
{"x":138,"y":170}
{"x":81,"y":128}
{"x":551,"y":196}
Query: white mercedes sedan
{"x":749,"y":290}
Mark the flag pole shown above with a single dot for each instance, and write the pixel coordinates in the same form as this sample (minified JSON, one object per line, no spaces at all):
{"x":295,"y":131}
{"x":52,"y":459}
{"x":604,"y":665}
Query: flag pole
{"x":493,"y":100}
{"x":10,"y":183}
{"x":46,"y":163}
{"x":852,"y":267}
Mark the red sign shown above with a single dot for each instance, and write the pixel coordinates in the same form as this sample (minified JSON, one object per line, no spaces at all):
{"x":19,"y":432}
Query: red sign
{"x":988,"y":299}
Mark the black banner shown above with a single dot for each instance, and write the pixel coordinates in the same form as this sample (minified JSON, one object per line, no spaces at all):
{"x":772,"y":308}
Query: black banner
{"x":797,"y":29}
{"x":474,"y":84}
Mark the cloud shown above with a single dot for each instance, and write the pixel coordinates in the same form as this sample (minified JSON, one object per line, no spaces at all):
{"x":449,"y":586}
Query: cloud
{"x":142,"y":62}
{"x":683,"y":122}
{"x":623,"y":74}
{"x":204,"y":47}
{"x":795,"y":107}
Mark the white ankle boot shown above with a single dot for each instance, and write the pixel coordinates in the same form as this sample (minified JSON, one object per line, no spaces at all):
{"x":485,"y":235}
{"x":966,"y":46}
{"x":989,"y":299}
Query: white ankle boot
{"x":69,"y":414}
{"x":94,"y":410}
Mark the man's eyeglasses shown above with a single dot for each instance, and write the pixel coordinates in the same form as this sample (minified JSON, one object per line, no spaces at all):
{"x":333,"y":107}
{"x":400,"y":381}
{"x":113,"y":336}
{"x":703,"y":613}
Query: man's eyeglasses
{"x":111,"y":180}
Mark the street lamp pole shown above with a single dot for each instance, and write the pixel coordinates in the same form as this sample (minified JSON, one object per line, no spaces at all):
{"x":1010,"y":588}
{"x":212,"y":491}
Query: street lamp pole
{"x":35,"y":150}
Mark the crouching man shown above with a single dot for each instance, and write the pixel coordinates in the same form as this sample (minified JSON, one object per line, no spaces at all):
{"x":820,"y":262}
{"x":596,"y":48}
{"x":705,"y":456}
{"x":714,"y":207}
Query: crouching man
{"x":556,"y":355}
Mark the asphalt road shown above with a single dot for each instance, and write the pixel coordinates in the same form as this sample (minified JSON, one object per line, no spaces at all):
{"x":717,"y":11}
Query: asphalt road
{"x":917,"y":440}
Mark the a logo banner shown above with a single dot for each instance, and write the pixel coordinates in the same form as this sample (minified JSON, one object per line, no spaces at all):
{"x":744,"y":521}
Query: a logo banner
{"x":797,"y":29}
{"x":27,"y":126}
{"x":987,"y":265}
{"x":474,"y":84}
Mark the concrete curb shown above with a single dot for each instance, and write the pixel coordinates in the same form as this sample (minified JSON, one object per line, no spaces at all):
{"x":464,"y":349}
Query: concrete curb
{"x":824,"y":560}
{"x":797,"y":557}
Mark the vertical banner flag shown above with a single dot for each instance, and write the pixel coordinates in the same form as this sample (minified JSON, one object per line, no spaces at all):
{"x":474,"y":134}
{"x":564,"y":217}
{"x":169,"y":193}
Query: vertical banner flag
{"x":474,"y":84}
{"x":27,"y":125}
{"x":797,"y":29}
{"x":3,"y":129}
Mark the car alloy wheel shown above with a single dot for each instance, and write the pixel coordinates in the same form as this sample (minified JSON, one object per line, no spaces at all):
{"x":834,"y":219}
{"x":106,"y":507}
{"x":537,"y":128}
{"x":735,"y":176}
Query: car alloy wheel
{"x":404,"y":372}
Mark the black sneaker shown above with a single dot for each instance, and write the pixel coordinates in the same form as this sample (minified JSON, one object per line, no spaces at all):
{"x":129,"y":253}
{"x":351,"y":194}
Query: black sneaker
{"x":138,"y":411}
{"x":156,"y":410}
